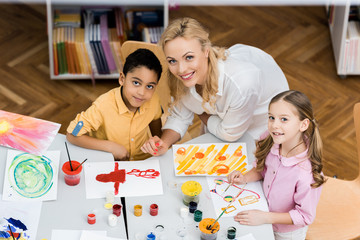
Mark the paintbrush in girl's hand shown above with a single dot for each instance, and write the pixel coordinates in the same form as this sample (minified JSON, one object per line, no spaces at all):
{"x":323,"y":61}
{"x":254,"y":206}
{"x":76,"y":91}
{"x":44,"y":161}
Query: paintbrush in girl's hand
{"x":229,"y":186}
{"x":67,"y":150}
{"x":80,"y":164}
{"x":12,"y":235}
{"x":241,"y":190}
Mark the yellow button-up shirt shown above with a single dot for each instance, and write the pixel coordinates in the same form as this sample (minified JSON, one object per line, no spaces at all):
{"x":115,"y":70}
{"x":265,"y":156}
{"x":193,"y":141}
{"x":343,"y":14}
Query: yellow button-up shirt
{"x":108,"y":118}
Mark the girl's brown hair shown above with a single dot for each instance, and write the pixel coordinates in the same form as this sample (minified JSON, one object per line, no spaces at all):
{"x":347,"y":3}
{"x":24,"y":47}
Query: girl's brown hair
{"x":312,"y":135}
{"x":189,"y":28}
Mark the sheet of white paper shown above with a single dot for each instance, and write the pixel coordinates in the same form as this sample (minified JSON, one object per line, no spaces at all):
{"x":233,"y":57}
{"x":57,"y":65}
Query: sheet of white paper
{"x":209,"y":159}
{"x":125,"y":178}
{"x":62,"y":234}
{"x":23,"y":218}
{"x":29,"y":177}
{"x":251,"y":198}
{"x":248,"y":236}
{"x":90,"y":235}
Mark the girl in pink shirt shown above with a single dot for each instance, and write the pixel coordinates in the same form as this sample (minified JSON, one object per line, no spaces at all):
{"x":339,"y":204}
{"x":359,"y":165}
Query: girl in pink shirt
{"x":288,"y":161}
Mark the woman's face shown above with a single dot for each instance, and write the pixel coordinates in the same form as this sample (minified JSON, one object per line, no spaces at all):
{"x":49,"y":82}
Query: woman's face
{"x":187,"y":61}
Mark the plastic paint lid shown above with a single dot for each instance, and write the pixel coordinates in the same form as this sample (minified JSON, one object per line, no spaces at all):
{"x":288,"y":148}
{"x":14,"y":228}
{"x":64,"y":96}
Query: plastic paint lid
{"x":191,"y":188}
{"x":108,"y":205}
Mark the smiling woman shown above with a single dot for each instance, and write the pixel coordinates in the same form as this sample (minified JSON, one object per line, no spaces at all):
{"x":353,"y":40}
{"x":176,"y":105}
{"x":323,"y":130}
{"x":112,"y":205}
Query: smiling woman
{"x":229,"y":89}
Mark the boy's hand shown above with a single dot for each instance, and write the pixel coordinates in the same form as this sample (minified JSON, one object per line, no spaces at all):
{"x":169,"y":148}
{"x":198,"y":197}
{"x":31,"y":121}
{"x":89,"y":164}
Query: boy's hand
{"x":236,"y":177}
{"x":119,"y":152}
{"x":252,"y":217}
{"x":155,"y":146}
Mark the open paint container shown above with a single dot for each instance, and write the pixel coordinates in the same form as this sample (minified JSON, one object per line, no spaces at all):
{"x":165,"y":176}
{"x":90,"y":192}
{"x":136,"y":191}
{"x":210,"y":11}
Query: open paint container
{"x":191,"y":191}
{"x":205,"y":232}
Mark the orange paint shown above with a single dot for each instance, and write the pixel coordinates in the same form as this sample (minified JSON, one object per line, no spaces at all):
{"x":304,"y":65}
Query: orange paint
{"x":181,"y":151}
{"x":199,"y":155}
{"x":221,"y":158}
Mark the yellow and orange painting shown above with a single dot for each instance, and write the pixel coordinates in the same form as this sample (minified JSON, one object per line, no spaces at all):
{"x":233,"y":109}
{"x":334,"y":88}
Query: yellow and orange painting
{"x":217,"y":159}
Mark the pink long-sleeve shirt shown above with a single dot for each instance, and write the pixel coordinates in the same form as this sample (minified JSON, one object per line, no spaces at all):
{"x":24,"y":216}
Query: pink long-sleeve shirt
{"x":287,"y":188}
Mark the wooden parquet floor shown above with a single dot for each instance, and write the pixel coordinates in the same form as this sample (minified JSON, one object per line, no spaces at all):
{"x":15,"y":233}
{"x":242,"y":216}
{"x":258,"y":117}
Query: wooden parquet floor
{"x":296,"y":36}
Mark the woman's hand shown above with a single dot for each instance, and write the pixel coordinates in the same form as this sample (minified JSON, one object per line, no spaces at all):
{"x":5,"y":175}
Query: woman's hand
{"x":252,"y":217}
{"x":236,"y":177}
{"x":155,"y":146}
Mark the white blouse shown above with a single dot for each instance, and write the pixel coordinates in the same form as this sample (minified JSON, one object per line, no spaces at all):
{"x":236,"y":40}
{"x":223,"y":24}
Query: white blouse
{"x":248,"y":79}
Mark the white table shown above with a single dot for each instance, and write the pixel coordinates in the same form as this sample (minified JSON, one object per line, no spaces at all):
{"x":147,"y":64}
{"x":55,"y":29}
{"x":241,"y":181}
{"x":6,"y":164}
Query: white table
{"x":171,"y":201}
{"x":71,"y":208}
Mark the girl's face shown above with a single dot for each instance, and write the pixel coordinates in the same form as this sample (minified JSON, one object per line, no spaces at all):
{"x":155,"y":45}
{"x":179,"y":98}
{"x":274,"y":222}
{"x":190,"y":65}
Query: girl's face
{"x":187,"y":61}
{"x":138,"y":86}
{"x":284,"y":124}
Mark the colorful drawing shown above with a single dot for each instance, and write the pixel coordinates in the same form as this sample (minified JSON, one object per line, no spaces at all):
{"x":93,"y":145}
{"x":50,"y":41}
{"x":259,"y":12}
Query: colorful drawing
{"x":134,"y":178}
{"x":251,"y":196}
{"x":209,"y":159}
{"x":26,"y":133}
{"x":29,"y":176}
{"x":21,"y":217}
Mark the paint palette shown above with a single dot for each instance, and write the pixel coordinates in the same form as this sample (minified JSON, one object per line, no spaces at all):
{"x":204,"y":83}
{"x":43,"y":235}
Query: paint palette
{"x":217,"y":159}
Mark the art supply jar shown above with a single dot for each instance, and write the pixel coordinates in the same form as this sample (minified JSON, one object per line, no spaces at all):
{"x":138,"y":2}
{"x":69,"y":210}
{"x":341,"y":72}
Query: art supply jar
{"x":231,"y":233}
{"x":91,"y":218}
{"x":184,"y":212}
{"x":197,"y":216}
{"x":154,"y":209}
{"x":150,"y":236}
{"x":110,"y":196}
{"x":191,"y":191}
{"x":138,"y":210}
{"x":72,"y":178}
{"x":117,"y":209}
{"x":192,"y":206}
{"x":112,"y":220}
{"x":208,"y":234}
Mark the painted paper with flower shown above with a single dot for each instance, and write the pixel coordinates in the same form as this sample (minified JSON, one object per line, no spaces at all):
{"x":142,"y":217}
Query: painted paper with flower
{"x":26,"y":133}
{"x":250,"y":197}
{"x":22,"y":217}
{"x":31,"y":177}
{"x":217,"y":159}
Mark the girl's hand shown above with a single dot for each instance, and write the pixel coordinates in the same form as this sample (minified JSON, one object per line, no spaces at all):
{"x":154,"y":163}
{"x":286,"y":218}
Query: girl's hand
{"x":236,"y":177}
{"x":252,"y":217}
{"x":155,"y":146}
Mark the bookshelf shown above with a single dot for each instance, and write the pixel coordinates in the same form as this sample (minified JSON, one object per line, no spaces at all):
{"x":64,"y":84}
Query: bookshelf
{"x":52,"y":5}
{"x":338,"y":16}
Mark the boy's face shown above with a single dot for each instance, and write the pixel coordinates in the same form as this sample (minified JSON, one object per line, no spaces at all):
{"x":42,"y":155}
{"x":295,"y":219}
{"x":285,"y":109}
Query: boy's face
{"x":138,"y":86}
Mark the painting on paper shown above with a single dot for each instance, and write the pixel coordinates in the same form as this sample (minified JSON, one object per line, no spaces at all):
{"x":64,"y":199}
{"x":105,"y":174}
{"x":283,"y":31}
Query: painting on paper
{"x":243,"y":197}
{"x":216,"y":159}
{"x":125,"y":178}
{"x":22,"y":217}
{"x":31,"y":177}
{"x":26,"y":133}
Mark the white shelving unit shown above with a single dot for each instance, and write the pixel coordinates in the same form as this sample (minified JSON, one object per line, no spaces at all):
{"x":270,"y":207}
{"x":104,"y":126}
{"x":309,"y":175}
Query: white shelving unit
{"x":126,"y":4}
{"x":338,"y":28}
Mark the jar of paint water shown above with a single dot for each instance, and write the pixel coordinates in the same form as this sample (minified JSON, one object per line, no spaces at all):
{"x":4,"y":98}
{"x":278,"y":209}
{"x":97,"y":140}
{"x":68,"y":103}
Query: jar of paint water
{"x":72,"y":177}
{"x":207,"y":233}
{"x":191,"y":191}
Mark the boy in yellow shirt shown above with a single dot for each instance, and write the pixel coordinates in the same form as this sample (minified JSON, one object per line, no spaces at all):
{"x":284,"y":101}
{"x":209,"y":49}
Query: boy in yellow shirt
{"x":119,"y":120}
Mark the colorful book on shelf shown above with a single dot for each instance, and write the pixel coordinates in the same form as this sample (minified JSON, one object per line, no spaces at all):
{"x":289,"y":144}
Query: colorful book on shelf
{"x":69,"y":17}
{"x":62,"y":52}
{"x":104,"y":39}
{"x":55,"y":55}
{"x":120,"y":25}
{"x":100,"y":48}
{"x":74,"y":52}
{"x":87,"y":22}
{"x":116,"y":48}
{"x":69,"y":57}
{"x":144,"y":18}
{"x":95,"y":50}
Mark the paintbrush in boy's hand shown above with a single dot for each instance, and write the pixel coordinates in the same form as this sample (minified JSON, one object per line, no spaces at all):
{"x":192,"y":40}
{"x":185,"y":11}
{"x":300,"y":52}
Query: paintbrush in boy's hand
{"x":241,"y":190}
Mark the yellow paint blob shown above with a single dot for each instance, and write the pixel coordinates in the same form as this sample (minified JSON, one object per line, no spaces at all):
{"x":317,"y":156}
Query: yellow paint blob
{"x":4,"y":126}
{"x":108,"y":205}
{"x":191,"y":188}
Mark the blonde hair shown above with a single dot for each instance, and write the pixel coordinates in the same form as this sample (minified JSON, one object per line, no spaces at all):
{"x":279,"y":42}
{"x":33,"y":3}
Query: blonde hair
{"x":189,"y":28}
{"x":304,"y":108}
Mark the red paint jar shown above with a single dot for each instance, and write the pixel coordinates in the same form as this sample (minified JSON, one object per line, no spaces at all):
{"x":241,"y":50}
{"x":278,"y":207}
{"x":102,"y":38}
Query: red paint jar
{"x":154,"y":209}
{"x":72,"y":178}
{"x":91,"y":218}
{"x":117,"y":209}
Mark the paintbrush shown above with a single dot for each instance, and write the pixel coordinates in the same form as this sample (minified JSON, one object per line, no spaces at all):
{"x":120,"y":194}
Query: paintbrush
{"x":80,"y":164}
{"x":241,"y":190}
{"x":12,"y":235}
{"x":228,"y":186}
{"x":67,"y":150}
